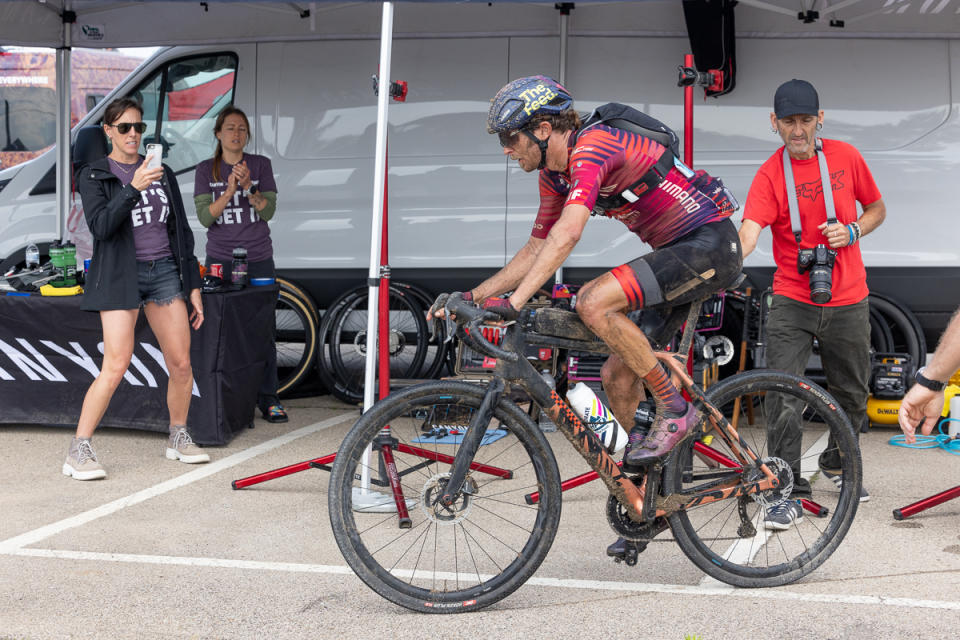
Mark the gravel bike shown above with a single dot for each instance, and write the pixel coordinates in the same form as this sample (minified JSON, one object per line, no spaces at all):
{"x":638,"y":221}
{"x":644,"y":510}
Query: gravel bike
{"x":458,"y":522}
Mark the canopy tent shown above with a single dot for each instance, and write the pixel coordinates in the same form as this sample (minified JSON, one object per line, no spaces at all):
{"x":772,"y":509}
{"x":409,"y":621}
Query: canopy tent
{"x":110,"y":23}
{"x":63,"y":24}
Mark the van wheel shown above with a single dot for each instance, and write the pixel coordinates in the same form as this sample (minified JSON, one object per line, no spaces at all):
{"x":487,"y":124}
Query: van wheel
{"x":296,"y":340}
{"x":907,"y":335}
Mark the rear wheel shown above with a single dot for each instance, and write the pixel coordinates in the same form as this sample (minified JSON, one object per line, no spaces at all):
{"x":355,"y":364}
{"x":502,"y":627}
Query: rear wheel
{"x":450,"y":559}
{"x":730,"y":539}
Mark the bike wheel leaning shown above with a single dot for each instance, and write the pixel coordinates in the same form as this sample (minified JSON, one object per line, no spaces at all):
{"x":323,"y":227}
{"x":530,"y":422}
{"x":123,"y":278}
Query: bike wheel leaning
{"x":461,"y":558}
{"x":784,"y":534}
{"x":296,"y":341}
{"x":407,"y":347}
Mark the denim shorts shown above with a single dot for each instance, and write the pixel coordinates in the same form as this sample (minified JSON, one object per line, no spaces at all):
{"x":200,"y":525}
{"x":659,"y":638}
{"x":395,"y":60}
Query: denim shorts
{"x":159,"y":281}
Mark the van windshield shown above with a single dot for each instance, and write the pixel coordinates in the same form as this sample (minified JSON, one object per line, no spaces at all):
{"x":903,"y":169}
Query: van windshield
{"x":28,"y":119}
{"x":180,"y":104}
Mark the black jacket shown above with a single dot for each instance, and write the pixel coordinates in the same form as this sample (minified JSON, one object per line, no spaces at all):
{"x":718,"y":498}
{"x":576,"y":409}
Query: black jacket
{"x":112,"y":281}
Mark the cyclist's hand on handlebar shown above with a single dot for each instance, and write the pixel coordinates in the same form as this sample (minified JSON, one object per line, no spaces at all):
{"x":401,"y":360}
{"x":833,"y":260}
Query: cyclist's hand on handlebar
{"x":438,"y":309}
{"x":501,"y":307}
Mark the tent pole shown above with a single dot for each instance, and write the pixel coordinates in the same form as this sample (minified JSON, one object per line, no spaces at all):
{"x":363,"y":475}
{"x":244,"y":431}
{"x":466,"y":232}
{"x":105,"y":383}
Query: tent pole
{"x":63,"y":121}
{"x":379,"y":174}
{"x":564,"y":8}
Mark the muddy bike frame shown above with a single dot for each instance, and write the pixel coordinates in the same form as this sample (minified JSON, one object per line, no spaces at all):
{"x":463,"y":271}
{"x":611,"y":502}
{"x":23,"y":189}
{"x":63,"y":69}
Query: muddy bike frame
{"x":553,"y":327}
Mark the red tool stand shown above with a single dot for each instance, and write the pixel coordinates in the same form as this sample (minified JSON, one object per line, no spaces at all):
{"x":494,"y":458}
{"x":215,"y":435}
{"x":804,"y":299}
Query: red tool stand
{"x":926,"y":503}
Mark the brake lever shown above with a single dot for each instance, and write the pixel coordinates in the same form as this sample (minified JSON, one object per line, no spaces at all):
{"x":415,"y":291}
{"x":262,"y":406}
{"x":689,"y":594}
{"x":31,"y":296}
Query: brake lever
{"x":450,"y":326}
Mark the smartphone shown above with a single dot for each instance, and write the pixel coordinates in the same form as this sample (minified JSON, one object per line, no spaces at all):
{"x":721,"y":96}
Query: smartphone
{"x":156,"y":151}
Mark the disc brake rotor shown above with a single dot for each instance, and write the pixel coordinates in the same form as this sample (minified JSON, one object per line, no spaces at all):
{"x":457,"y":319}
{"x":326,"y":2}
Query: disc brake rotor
{"x":776,"y":495}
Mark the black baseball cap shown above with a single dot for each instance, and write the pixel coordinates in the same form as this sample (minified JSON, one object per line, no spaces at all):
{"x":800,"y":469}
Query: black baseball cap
{"x":796,"y":97}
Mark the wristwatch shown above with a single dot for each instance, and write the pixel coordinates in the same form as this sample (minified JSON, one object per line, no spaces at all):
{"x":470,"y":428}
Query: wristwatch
{"x":933,"y":385}
{"x":252,"y":190}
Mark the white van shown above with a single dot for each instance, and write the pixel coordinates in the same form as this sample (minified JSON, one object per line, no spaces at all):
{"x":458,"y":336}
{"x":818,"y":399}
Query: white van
{"x":458,"y":209}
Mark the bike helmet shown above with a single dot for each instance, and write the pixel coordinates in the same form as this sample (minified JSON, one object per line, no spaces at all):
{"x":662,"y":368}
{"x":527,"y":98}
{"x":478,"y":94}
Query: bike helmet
{"x":515,"y":105}
{"x":517,"y":102}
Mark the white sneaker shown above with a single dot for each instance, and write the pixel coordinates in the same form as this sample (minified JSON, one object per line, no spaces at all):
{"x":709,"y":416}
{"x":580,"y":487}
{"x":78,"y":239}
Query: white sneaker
{"x":81,"y":462}
{"x":180,"y":446}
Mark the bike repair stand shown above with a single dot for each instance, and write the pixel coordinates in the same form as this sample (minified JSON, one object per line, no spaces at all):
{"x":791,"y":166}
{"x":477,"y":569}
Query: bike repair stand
{"x":363,"y":498}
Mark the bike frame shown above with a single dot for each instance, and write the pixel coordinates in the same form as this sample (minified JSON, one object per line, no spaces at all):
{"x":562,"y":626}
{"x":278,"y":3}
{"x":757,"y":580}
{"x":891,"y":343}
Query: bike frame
{"x":519,"y":371}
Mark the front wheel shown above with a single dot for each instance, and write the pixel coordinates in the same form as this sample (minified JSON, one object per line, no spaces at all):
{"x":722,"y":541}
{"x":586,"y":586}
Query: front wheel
{"x":781,"y":535}
{"x":453,"y":558}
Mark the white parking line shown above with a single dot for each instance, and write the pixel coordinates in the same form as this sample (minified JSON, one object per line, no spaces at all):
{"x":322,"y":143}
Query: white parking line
{"x":32,"y":537}
{"x":558,"y":583}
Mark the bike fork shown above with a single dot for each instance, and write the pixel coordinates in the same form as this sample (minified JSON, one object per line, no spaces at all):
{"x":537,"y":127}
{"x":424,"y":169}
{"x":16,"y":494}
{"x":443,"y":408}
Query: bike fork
{"x":471,"y":441}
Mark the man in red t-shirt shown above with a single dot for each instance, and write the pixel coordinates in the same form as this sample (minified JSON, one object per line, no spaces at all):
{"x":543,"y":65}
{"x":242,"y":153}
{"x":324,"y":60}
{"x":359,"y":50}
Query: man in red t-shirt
{"x":841,"y":324}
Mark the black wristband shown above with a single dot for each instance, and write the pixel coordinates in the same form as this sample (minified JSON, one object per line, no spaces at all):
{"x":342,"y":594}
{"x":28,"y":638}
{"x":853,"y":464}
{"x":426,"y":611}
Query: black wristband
{"x":933,"y":385}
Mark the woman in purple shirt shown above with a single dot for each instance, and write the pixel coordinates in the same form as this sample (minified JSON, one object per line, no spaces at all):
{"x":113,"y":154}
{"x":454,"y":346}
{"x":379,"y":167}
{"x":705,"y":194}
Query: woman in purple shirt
{"x":235,"y":195}
{"x":142,"y":257}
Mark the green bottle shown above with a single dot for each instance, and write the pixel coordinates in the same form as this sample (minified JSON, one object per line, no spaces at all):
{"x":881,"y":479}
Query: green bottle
{"x":57,"y":260}
{"x":69,"y":264}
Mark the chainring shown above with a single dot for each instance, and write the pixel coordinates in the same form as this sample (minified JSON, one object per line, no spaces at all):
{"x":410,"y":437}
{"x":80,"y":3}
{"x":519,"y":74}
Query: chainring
{"x":628,"y":529}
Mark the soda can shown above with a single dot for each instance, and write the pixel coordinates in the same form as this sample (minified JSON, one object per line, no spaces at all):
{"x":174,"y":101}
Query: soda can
{"x":86,"y":265}
{"x":216,"y":270}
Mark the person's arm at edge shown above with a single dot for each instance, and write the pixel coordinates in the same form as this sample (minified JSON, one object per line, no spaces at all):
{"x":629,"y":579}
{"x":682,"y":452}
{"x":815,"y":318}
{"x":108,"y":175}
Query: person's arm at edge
{"x":920,"y":402}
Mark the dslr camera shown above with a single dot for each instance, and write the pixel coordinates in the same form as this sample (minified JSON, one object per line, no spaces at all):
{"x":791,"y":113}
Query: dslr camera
{"x":819,"y":262}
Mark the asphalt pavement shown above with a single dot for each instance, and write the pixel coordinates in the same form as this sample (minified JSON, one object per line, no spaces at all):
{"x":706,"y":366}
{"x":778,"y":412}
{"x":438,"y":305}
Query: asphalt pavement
{"x":160,"y":549}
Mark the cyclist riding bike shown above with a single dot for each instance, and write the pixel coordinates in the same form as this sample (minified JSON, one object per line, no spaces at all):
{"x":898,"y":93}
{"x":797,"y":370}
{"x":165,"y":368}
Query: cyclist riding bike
{"x":684,"y":217}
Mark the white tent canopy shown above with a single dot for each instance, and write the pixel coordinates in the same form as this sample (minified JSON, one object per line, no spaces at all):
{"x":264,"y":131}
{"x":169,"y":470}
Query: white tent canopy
{"x":63,"y":24}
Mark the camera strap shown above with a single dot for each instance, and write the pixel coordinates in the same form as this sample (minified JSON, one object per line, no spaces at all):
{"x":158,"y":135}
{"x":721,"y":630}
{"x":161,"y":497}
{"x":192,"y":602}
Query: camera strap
{"x":792,"y":188}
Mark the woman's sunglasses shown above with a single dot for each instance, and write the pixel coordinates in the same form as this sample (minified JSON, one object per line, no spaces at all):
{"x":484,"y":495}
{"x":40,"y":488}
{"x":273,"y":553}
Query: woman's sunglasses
{"x":124,"y":127}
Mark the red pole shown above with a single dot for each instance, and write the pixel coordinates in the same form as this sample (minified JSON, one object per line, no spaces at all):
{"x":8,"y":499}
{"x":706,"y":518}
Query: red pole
{"x":383,"y":346}
{"x":688,"y":116}
{"x":688,"y":158}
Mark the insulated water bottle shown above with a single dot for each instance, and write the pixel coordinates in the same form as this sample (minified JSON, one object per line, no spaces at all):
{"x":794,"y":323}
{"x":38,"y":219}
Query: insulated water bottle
{"x":56,"y":259}
{"x":69,"y":264}
{"x":239,"y":267}
{"x":596,"y":416}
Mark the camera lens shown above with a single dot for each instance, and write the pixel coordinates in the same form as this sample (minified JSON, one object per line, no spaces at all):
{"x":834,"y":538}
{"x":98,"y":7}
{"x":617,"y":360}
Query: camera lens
{"x":821,"y":284}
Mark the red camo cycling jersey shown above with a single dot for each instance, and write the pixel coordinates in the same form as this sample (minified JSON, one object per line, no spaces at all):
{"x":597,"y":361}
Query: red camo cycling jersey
{"x":851,"y":182}
{"x":606,"y":161}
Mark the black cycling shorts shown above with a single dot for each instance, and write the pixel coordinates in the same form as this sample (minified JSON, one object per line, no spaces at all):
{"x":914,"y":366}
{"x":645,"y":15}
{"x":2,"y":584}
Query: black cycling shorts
{"x":693,"y":266}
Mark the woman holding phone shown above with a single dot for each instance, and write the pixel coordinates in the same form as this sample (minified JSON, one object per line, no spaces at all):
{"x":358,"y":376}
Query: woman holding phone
{"x":142,"y":257}
{"x":236,"y":195}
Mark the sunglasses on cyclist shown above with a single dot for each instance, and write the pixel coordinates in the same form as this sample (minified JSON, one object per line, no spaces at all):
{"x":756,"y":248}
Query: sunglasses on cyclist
{"x":508,"y":138}
{"x":124,"y":127}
